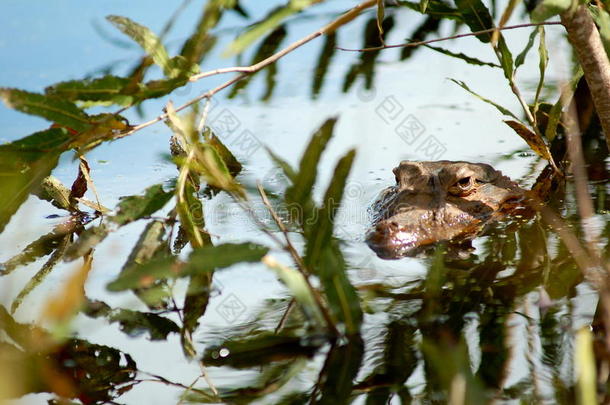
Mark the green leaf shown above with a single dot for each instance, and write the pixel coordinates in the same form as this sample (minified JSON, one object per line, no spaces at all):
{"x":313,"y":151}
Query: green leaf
{"x":62,"y":112}
{"x":133,"y":323}
{"x":148,"y":41}
{"x":542,"y":64}
{"x":300,"y":192}
{"x":549,"y":8}
{"x":324,"y":59}
{"x":259,"y":350}
{"x":530,"y":42}
{"x":202,"y":260}
{"x":476,"y":16}
{"x":270,"y":22}
{"x":565,"y":97}
{"x":602,"y":19}
{"x":86,"y":241}
{"x":267,"y":48}
{"x":23,"y":166}
{"x":208,"y":258}
{"x":465,"y":58}
{"x":506,"y":58}
{"x":434,"y":8}
{"x":288,"y":170}
{"x":135,"y":207}
{"x":105,"y":90}
{"x":499,"y":107}
{"x":322,"y":232}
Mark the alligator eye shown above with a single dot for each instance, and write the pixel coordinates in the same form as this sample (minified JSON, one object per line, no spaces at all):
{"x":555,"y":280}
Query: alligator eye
{"x":463,"y":187}
{"x":464,"y":182}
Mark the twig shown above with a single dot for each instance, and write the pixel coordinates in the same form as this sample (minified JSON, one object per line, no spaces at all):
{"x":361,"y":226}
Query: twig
{"x":284,"y":318}
{"x":298,"y":260}
{"x":248,"y":70}
{"x":470,"y":34}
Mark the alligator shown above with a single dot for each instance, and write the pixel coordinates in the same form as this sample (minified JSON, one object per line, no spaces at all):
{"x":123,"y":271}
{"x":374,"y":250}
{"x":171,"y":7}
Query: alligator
{"x":442,"y":201}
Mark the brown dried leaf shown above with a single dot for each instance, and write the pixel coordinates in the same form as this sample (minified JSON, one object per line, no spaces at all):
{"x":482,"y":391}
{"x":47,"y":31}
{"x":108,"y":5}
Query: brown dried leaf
{"x":533,"y":140}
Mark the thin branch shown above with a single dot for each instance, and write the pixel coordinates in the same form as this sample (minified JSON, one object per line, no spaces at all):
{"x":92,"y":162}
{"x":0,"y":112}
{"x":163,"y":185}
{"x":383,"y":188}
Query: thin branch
{"x":430,"y":41}
{"x":248,"y":70}
{"x":298,"y":260}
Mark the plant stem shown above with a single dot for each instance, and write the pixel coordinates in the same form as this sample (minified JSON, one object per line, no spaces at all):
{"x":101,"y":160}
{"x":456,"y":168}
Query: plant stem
{"x":586,"y":41}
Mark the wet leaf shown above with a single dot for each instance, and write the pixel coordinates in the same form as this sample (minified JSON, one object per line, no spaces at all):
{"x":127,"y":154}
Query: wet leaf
{"x":465,"y":58}
{"x":57,"y":110}
{"x":133,"y":323}
{"x":534,"y":141}
{"x":499,"y":107}
{"x":549,"y":8}
{"x":134,"y":207}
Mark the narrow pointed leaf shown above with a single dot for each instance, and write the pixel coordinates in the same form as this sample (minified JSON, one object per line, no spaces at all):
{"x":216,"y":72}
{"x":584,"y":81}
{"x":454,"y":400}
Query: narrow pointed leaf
{"x":499,"y":107}
{"x":465,"y":58}
{"x":533,"y":140}
{"x":530,"y":42}
{"x":62,"y":112}
{"x":138,"y":206}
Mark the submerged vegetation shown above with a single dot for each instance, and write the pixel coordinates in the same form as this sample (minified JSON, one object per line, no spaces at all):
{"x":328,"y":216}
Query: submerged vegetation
{"x":502,"y":323}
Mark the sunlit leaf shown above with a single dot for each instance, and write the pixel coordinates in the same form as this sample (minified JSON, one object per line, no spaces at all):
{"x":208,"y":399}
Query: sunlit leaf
{"x":134,"y":207}
{"x":534,"y":141}
{"x":381,"y":16}
{"x":270,"y":22}
{"x":148,"y":41}
{"x":585,"y":367}
{"x":465,"y":58}
{"x":296,"y":283}
{"x":499,"y":107}
{"x":57,"y":110}
{"x":549,"y":8}
{"x":54,"y":192}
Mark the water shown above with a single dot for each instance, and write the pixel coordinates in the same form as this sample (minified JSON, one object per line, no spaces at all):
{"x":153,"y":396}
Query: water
{"x":50,"y":43}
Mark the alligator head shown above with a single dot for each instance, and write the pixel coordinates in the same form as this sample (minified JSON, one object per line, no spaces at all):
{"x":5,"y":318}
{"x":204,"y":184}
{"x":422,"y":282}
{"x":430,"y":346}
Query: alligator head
{"x":440,"y":201}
